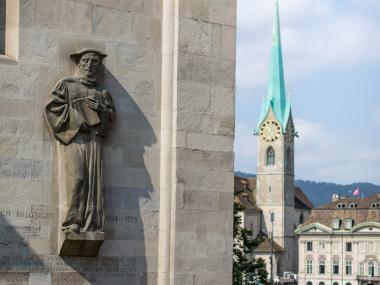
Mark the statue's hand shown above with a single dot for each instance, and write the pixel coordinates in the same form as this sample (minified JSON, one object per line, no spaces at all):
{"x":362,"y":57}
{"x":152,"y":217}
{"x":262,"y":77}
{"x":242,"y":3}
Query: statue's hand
{"x":94,"y":104}
{"x":85,"y":128}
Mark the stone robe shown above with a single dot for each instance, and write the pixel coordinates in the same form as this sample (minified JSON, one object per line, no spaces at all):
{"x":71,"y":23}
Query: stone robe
{"x":80,"y":149}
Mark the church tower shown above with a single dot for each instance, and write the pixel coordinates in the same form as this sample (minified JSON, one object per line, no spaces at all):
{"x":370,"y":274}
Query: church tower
{"x":275,"y":163}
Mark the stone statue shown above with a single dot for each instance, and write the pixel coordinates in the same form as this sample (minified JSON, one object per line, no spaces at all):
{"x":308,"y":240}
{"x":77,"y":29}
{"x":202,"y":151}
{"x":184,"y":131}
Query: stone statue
{"x":79,"y":114}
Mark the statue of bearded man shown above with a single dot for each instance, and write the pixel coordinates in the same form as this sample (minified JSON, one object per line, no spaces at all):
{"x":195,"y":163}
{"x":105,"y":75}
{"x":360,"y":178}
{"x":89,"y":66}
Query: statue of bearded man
{"x":79,"y":114}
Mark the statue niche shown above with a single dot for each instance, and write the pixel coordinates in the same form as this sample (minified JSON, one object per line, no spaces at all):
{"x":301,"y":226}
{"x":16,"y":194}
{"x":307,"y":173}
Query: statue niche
{"x":79,"y":114}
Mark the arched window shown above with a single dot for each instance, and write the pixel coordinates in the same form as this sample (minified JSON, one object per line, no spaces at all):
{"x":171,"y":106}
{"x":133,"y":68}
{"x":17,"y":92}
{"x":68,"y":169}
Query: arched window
{"x":361,"y":268}
{"x":321,"y":283}
{"x":348,"y":283}
{"x":309,"y":283}
{"x":371,"y":269}
{"x":335,"y":283}
{"x":271,"y":156}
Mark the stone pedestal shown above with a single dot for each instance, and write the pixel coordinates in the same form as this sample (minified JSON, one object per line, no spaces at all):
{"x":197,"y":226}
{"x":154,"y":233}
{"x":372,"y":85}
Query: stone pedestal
{"x":80,"y":244}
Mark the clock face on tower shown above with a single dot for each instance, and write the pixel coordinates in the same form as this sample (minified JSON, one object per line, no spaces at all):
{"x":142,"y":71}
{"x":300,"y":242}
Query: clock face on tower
{"x":270,"y":131}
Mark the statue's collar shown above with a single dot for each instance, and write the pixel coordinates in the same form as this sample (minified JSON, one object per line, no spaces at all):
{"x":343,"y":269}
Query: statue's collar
{"x":88,"y":82}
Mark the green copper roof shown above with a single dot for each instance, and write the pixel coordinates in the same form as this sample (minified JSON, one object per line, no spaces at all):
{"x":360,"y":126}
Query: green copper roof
{"x":276,"y":96}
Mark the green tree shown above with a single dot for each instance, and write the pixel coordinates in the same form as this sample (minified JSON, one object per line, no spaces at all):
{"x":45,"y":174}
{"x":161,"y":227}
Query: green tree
{"x":246,"y":270}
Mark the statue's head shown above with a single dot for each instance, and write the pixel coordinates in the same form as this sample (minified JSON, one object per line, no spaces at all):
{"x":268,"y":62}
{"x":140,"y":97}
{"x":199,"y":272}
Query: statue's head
{"x":88,"y":62}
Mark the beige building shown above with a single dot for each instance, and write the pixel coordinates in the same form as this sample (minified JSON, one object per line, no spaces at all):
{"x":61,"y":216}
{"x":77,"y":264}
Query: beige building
{"x":253,"y":219}
{"x":339,"y":244}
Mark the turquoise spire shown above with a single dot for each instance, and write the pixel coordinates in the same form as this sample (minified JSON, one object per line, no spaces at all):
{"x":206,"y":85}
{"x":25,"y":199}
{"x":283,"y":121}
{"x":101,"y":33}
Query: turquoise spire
{"x":276,"y":96}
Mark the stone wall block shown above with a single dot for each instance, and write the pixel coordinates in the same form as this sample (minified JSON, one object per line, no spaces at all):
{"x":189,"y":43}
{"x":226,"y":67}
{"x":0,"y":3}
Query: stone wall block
{"x":18,"y":82}
{"x":47,"y":13}
{"x":16,"y":127}
{"x":226,"y":201}
{"x":27,"y":14}
{"x":203,"y":265}
{"x":144,"y":7}
{"x":222,"y":14}
{"x":32,"y":149}
{"x":207,"y":221}
{"x":189,"y":244}
{"x":30,"y":169}
{"x":211,"y":278}
{"x":145,"y":30}
{"x":224,"y":125}
{"x":111,"y":23}
{"x":222,"y":100}
{"x":206,"y":70}
{"x":76,"y":17}
{"x":210,"y":142}
{"x":193,"y":96}
{"x":38,"y":46}
{"x":17,"y":109}
{"x":200,"y":37}
{"x":189,"y":122}
{"x":201,"y":200}
{"x":201,"y":180}
{"x":202,"y":159}
{"x":229,"y":42}
{"x":8,"y":147}
{"x":113,"y":155}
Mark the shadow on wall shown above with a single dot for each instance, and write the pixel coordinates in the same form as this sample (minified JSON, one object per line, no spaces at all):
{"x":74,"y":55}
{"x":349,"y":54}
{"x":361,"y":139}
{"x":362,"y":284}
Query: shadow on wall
{"x":131,"y":212}
{"x":131,"y":216}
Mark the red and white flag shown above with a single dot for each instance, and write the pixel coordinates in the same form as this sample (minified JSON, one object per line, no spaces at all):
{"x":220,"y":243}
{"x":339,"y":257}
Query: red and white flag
{"x":356,"y":192}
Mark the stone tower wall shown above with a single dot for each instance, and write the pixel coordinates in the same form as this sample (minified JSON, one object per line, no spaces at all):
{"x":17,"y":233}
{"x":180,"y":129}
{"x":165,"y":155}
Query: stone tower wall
{"x":168,"y":161}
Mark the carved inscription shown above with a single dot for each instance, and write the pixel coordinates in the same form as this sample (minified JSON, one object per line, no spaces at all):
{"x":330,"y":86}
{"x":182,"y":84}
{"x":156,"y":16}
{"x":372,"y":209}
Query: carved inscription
{"x":37,"y":213}
{"x":67,"y":269}
{"x":126,"y":219}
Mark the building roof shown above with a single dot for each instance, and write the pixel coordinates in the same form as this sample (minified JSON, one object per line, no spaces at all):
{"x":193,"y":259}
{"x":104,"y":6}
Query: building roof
{"x":265,"y":245}
{"x":361,"y":203}
{"x":245,"y":188}
{"x":301,"y":200}
{"x":276,"y":96}
{"x":361,"y":214}
{"x":245,"y":192}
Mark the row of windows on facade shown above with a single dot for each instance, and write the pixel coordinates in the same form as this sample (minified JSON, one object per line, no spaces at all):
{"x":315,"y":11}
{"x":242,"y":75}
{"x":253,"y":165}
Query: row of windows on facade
{"x":355,"y":205}
{"x":323,"y":283}
{"x":271,"y":156}
{"x":364,"y":268}
{"x":363,"y":246}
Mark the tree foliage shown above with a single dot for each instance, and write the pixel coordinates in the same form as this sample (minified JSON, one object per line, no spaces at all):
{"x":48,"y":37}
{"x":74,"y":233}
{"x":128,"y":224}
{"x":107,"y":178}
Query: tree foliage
{"x":246,"y":269}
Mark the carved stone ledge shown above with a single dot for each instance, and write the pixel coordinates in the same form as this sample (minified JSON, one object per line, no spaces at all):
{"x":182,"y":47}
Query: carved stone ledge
{"x":80,"y":244}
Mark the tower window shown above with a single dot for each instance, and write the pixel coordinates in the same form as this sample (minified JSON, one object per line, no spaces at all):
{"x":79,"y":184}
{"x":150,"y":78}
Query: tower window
{"x":271,"y":156}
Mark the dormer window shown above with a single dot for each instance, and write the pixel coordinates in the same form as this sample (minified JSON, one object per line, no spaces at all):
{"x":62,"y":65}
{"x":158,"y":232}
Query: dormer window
{"x":375,"y":205}
{"x":336,"y":224}
{"x":353,"y":205}
{"x":348,"y":223}
{"x":341,"y":206}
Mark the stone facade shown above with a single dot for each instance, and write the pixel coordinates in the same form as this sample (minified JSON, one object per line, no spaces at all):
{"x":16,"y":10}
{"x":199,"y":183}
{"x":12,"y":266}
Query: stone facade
{"x":253,"y":219}
{"x":168,"y":163}
{"x":341,"y":246}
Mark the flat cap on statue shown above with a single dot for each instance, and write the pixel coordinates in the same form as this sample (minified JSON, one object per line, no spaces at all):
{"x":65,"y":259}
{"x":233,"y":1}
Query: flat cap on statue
{"x":78,"y":54}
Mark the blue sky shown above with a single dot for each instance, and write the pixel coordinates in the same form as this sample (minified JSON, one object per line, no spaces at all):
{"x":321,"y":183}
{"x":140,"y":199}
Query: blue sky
{"x":332,"y":71}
